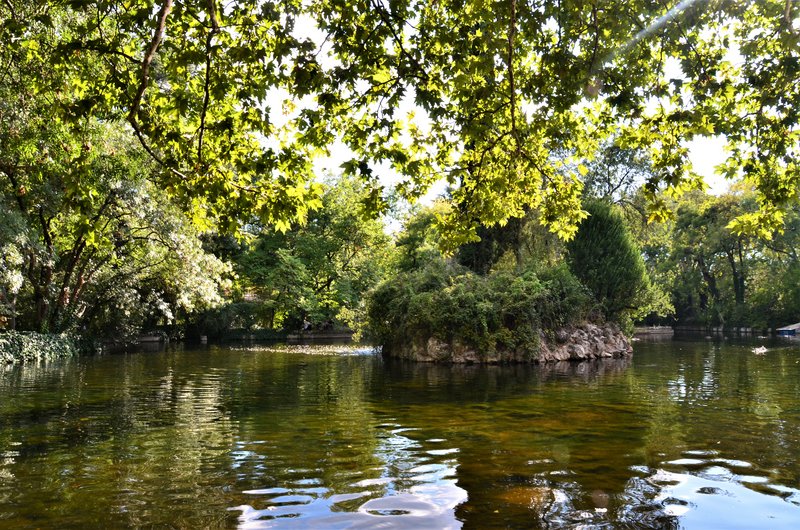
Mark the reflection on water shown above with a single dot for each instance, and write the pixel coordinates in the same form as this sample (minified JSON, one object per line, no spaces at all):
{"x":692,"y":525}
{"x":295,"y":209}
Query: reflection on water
{"x":685,"y":435}
{"x":411,"y":488}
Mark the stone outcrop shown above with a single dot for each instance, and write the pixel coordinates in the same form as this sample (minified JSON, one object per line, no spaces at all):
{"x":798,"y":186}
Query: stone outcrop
{"x":585,"y":342}
{"x":575,"y":343}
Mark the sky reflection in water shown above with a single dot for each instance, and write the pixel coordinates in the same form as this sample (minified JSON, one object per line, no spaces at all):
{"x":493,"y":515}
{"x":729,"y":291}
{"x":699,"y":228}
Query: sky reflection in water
{"x":414,"y":489}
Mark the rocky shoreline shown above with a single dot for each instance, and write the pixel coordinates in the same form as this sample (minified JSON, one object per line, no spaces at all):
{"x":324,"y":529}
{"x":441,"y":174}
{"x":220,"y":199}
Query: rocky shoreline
{"x":582,"y":342}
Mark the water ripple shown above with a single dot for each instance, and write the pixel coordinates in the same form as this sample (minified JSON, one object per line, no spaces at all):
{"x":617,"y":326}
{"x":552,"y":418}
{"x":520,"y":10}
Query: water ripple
{"x":414,"y":488}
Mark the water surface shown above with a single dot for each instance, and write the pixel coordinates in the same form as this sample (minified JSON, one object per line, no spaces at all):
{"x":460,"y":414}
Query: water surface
{"x":689,"y":435}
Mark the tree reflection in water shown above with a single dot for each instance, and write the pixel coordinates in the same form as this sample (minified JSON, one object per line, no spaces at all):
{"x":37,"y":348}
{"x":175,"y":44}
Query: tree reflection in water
{"x":685,"y":434}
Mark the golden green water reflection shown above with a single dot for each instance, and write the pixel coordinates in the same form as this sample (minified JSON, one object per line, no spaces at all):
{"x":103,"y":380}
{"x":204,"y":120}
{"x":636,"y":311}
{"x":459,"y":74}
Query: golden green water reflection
{"x":684,"y":435}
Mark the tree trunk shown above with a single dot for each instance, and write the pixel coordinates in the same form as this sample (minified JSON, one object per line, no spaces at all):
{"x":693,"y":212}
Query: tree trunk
{"x":738,"y":279}
{"x":12,"y":322}
{"x":711,"y":282}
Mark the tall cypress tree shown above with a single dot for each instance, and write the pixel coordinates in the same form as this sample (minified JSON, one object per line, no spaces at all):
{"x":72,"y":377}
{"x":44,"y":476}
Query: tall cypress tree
{"x":605,"y":258}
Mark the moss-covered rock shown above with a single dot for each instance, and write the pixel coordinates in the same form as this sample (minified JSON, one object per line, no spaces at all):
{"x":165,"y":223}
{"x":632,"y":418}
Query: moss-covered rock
{"x":580,"y":342}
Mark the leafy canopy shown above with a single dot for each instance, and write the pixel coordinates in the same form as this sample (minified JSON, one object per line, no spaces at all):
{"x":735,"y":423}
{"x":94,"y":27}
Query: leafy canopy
{"x":319,"y":271}
{"x":235,"y":99}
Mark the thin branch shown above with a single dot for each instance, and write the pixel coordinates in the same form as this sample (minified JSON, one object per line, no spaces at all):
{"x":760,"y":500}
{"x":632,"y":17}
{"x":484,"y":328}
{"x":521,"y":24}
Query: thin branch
{"x":100,"y":19}
{"x":322,"y":45}
{"x":596,"y":43}
{"x":703,"y":67}
{"x":358,"y":100}
{"x":77,"y":251}
{"x":483,"y":112}
{"x":9,"y":172}
{"x":11,"y":8}
{"x":488,"y":148}
{"x":398,"y":40}
{"x":143,"y":141}
{"x":212,"y":8}
{"x":512,"y":32}
{"x":147,"y":60}
{"x":48,"y":240}
{"x":108,"y":51}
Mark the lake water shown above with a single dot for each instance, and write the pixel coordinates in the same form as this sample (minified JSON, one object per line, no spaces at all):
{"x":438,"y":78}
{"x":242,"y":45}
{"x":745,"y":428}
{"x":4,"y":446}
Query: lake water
{"x":695,"y":435}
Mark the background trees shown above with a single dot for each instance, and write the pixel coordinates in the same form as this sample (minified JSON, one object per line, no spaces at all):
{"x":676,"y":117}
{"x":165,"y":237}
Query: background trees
{"x":319,"y":271}
{"x":91,"y":240}
{"x":91,"y":244}
{"x":719,"y":277}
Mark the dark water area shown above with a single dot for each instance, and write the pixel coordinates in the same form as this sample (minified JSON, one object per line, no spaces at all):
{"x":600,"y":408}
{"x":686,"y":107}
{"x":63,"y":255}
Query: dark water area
{"x":686,"y":434}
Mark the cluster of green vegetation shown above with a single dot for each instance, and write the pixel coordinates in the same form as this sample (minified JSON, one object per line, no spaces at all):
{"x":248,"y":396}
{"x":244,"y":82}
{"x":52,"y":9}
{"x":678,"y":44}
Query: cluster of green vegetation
{"x":157,"y":158}
{"x":501,"y":293}
{"x":89,"y":243}
{"x":311,"y":276}
{"x":31,"y":347}
{"x":502,"y":311}
{"x":705,"y":272}
{"x":718,"y":277}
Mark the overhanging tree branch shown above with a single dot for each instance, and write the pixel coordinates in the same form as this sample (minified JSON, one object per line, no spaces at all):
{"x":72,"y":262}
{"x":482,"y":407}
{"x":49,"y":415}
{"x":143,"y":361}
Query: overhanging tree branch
{"x":207,"y":82}
{"x":11,"y":8}
{"x":512,"y":32}
{"x":787,"y":17}
{"x":144,"y":80}
{"x":147,"y":60}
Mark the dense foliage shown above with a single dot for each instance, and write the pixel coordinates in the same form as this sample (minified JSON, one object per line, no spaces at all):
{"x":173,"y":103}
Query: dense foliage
{"x":234,"y":101}
{"x":18,"y":347}
{"x":311,"y":277}
{"x":606,"y":259}
{"x":718,"y":277}
{"x":503,"y":293}
{"x":90,"y":244}
{"x":498,"y":312}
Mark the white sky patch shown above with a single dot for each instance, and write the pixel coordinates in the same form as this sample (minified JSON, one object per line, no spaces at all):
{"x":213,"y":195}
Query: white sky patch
{"x":672,"y":69}
{"x":705,"y":154}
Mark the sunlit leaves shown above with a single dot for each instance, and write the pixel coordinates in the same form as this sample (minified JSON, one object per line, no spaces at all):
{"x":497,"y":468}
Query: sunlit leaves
{"x":502,"y":88}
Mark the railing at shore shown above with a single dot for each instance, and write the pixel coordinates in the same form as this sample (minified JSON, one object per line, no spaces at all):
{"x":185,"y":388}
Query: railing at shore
{"x":703,"y":330}
{"x":319,"y":336}
{"x":721,"y":330}
{"x":667,"y":331}
{"x":662,"y":331}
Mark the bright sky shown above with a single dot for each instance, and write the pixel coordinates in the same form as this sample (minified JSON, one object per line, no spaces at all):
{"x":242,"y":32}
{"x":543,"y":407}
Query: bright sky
{"x":705,"y":154}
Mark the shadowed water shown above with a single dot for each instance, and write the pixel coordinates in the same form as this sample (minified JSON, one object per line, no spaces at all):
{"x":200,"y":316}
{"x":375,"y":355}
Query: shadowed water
{"x":684,"y":435}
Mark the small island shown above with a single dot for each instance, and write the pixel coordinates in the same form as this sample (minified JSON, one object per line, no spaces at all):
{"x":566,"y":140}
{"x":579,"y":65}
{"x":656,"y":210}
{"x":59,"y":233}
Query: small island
{"x":495,"y":303}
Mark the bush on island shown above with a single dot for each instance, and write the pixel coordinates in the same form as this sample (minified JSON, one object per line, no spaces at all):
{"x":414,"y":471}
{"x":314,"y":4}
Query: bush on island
{"x":500,"y":312}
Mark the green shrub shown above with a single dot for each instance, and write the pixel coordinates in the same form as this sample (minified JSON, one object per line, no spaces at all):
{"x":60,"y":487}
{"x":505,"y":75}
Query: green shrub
{"x":605,"y":258}
{"x":568,"y":299}
{"x":18,"y":346}
{"x":501,"y":312}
